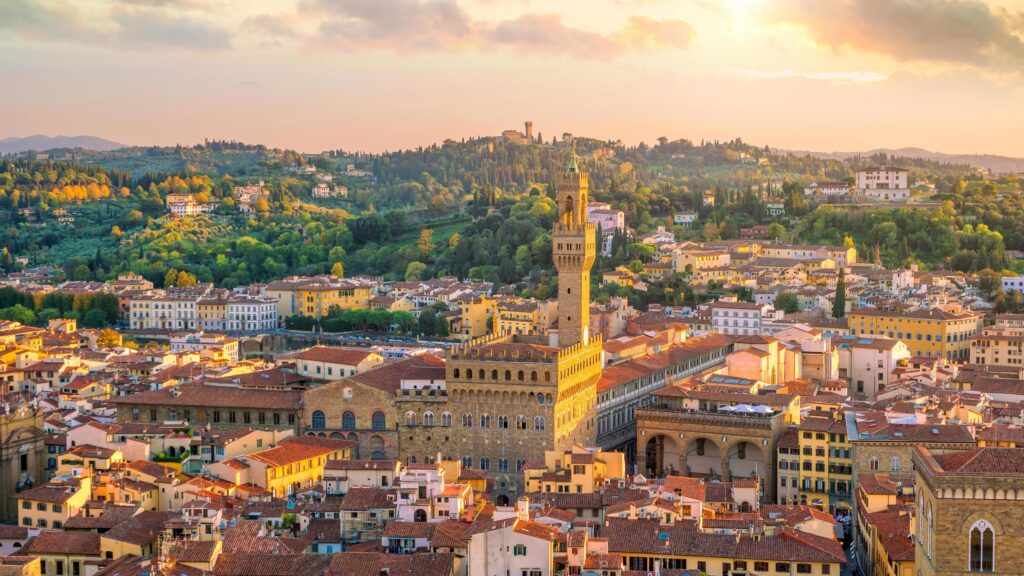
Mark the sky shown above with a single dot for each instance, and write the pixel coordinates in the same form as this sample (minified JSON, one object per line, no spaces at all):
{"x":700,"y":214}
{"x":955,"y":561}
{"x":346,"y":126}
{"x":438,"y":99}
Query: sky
{"x":375,"y":75}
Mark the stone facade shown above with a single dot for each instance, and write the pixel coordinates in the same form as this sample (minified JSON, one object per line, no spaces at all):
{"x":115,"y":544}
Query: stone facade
{"x":352,"y":410}
{"x":710,"y":445}
{"x":22,"y":454}
{"x":573,"y":248}
{"x":952,"y":502}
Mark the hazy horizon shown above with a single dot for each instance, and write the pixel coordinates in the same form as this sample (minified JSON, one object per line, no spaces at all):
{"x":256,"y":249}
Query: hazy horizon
{"x":375,"y":75}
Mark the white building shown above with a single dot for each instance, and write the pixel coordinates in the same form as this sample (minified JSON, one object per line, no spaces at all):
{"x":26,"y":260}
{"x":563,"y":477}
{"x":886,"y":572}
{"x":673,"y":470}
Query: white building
{"x":1011,"y":283}
{"x":199,"y":341}
{"x":775,"y":209}
{"x":513,"y":546}
{"x":738,"y":318}
{"x":341,"y":475}
{"x":885,"y":183}
{"x":610,"y":221}
{"x":684,"y":219}
{"x":827,"y":189}
{"x":867,"y":362}
{"x":251,"y":313}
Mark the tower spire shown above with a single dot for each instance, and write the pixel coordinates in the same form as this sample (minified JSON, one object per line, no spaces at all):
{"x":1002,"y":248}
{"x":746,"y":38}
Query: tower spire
{"x":573,"y":167}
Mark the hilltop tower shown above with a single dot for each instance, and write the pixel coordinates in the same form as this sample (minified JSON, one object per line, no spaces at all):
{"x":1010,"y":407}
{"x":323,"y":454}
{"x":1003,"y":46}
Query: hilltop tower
{"x":573,"y":248}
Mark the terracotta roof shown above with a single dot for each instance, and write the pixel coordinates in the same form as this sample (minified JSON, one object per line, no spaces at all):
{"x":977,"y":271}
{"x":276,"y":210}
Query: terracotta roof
{"x":141,"y":529}
{"x":217,"y":397}
{"x":360,"y":465}
{"x":76,"y":543}
{"x":388,"y":377}
{"x":297,"y":448}
{"x":243,"y":564}
{"x":361,"y":499}
{"x":982,"y":461}
{"x":334,"y":355}
{"x":374,"y":563}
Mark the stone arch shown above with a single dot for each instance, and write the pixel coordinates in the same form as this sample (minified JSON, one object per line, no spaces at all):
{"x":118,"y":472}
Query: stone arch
{"x":702,"y":457}
{"x":745,"y":459}
{"x":661,"y":455}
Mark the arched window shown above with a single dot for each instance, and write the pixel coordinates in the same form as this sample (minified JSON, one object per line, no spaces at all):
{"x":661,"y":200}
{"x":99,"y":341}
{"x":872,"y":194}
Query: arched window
{"x":455,"y":374}
{"x":319,"y":421}
{"x":503,"y":422}
{"x":428,"y":418}
{"x":485,"y":420}
{"x":446,"y":419}
{"x":521,"y":376}
{"x":494,"y":374}
{"x":533,"y":376}
{"x":467,"y":420}
{"x":982,"y":547}
{"x":538,"y":422}
{"x":379,"y":422}
{"x":410,"y":418}
{"x":540,"y":399}
{"x":520,"y":422}
{"x":508,"y":375}
{"x":348,"y":420}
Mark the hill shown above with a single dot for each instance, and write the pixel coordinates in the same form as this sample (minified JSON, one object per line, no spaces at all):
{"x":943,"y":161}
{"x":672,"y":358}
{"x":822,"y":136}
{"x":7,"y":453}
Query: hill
{"x":997,"y":164}
{"x":39,"y":143}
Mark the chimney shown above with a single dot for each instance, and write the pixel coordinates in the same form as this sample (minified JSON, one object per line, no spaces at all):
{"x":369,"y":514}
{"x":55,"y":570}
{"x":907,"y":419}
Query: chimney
{"x":523,"y":508}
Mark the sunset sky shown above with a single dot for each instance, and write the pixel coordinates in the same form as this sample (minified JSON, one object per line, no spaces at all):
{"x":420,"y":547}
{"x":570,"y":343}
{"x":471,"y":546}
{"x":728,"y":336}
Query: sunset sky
{"x":826,"y":75}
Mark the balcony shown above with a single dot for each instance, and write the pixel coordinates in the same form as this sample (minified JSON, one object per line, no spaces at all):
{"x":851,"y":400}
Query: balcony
{"x":663,"y":413}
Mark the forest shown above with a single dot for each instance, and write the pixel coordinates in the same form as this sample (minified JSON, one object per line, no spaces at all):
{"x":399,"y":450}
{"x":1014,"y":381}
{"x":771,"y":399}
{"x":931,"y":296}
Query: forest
{"x":479,"y":208}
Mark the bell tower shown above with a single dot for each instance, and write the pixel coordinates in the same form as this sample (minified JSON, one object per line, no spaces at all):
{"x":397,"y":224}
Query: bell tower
{"x":573,"y":247}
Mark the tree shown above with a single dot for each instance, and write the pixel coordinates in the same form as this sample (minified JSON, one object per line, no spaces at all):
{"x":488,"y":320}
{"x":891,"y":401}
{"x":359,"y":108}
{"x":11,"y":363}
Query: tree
{"x":415,"y":270}
{"x":787,"y":302}
{"x":338,"y":270}
{"x":186,"y":279}
{"x":108,"y":339}
{"x":171,"y":278}
{"x":839,"y":303}
{"x":776,"y":231}
{"x":425,"y":244}
{"x":18,"y":313}
{"x":82,"y":272}
{"x":116,"y":232}
{"x":95,"y":318}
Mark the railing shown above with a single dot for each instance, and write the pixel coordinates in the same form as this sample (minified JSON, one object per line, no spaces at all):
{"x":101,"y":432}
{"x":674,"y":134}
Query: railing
{"x":666,"y":414}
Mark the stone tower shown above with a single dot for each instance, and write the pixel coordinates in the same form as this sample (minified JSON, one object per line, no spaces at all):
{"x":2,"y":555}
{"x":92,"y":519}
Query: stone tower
{"x":573,"y":248}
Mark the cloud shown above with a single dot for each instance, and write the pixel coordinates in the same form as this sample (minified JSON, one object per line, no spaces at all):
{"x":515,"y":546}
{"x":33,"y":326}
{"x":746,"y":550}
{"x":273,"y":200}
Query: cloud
{"x":400,"y":25}
{"x":836,"y":78}
{"x":430,"y":25}
{"x":153,"y":29}
{"x":641,"y":32}
{"x":951,"y":31}
{"x":112,"y":26}
{"x":547,"y":33}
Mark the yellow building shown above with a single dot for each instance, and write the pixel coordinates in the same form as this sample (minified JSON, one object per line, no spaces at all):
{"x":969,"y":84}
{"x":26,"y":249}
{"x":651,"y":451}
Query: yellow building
{"x":477,"y":316}
{"x":577,"y":471}
{"x":1000,"y":344}
{"x":87,"y":459}
{"x":65,"y":553}
{"x":826,"y":468}
{"x":314,"y":296}
{"x":50,"y":505}
{"x":699,"y":259}
{"x":926,"y":332}
{"x":522,"y":317}
{"x":295,"y":464}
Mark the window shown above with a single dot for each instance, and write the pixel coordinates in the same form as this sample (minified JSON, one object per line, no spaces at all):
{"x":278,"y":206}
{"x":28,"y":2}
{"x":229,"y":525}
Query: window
{"x":982,"y":547}
{"x":538,"y":422}
{"x":467,"y":420}
{"x":348,"y":420}
{"x":485,"y":420}
{"x":519,"y":550}
{"x":702,"y":566}
{"x":410,"y":418}
{"x":894,"y":464}
{"x":782,"y":566}
{"x":520,"y":422}
{"x":485,"y":463}
{"x":760,"y":566}
{"x":319,"y":421}
{"x":379,"y":421}
{"x":503,"y":422}
{"x":503,"y":465}
{"x":874,"y":463}
{"x":826,"y":568}
{"x":803,"y":568}
{"x":467,"y":462}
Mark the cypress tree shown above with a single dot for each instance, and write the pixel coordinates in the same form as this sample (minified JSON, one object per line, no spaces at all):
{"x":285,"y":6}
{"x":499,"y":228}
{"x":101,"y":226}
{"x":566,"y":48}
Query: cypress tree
{"x":839,"y":303}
